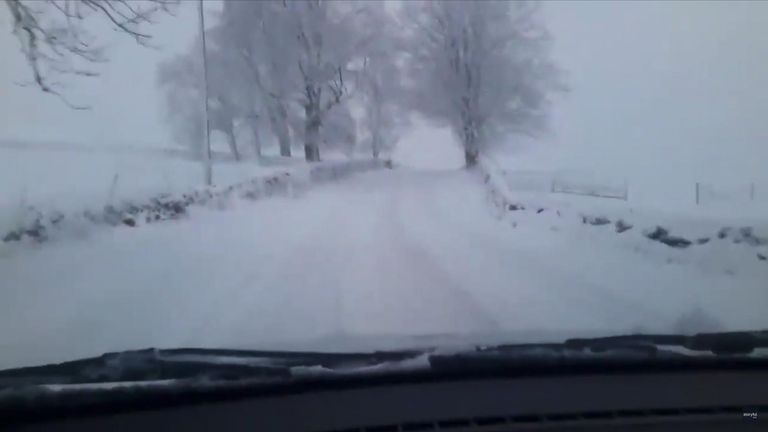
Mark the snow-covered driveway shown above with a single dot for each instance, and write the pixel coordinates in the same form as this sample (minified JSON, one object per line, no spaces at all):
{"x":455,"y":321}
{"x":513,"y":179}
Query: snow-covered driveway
{"x":354,"y":264}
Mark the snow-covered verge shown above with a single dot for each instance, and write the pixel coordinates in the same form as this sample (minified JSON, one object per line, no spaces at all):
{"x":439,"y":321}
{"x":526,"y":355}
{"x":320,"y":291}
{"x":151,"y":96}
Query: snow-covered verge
{"x":154,"y":202}
{"x":68,"y":179}
{"x":711,"y":240}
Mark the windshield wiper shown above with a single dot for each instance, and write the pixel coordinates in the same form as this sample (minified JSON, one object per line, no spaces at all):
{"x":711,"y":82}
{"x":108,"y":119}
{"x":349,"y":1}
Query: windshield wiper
{"x":152,"y":378}
{"x":191,"y":364}
{"x":723,"y":343}
{"x":222,"y":365}
{"x":625,"y":352}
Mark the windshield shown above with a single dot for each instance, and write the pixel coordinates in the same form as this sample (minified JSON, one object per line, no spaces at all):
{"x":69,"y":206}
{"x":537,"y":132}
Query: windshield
{"x":359,"y":176}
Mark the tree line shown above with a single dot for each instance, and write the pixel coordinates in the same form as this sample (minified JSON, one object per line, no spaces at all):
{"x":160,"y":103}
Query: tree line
{"x":334,"y":74}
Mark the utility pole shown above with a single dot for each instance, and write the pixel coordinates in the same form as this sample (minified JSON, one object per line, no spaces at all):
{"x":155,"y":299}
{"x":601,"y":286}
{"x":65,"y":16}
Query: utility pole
{"x":207,"y":152}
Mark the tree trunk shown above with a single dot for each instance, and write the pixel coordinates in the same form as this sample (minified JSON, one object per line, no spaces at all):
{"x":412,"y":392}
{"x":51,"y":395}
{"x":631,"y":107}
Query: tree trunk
{"x":375,"y":145}
{"x":470,"y":157}
{"x":471,"y":147}
{"x":311,"y":147}
{"x":285,"y":145}
{"x":281,"y":131}
{"x":376,"y":120}
{"x":311,"y":134}
{"x":277,"y":120}
{"x":233,"y":144}
{"x":256,"y":140}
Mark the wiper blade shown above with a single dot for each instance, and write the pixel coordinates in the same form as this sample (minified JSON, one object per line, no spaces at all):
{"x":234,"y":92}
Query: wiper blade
{"x":264,"y":366}
{"x":527,"y":358}
{"x":619,"y":352}
{"x":724,"y":343}
{"x":191,"y":364}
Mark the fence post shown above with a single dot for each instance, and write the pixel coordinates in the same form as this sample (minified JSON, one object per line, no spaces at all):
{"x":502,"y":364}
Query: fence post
{"x":752,"y":191}
{"x":626,"y":190}
{"x":697,"y":193}
{"x":113,"y":188}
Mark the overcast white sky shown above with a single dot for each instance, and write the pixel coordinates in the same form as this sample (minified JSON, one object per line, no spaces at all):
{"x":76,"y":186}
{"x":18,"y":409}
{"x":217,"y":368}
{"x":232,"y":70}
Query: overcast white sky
{"x":654,"y":86}
{"x":686,"y":81}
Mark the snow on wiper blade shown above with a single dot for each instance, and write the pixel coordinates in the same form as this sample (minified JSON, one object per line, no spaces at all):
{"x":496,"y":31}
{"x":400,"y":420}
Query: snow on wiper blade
{"x":535,"y":358}
{"x":618,"y":352}
{"x":133,"y":366}
{"x":724,"y":343}
{"x":191,"y":363}
{"x":152,"y":365}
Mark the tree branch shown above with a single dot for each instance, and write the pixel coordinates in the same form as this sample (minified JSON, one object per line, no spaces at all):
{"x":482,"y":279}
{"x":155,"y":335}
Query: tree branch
{"x":53,"y":46}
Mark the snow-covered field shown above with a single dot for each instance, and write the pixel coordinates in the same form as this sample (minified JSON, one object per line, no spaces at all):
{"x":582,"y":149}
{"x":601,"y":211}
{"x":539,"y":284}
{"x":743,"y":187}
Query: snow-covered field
{"x":379,"y":260}
{"x":69,"y":179}
{"x":668,"y":188}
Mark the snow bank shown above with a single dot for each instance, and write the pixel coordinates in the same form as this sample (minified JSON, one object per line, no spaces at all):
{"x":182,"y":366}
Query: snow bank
{"x":669,"y":188}
{"x":38,"y":221}
{"x":498,"y":191}
{"x":715,"y":234}
{"x":333,"y":170}
{"x":69,"y":179}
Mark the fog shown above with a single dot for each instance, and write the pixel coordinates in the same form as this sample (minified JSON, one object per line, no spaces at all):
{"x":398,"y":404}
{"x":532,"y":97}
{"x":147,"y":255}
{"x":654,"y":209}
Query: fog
{"x":664,"y":85}
{"x":335,"y":211}
{"x":670,"y":87}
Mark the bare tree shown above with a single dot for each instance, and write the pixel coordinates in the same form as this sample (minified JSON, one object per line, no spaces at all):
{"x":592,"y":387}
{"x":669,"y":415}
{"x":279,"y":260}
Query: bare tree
{"x":380,"y":78}
{"x":325,"y":39}
{"x":298,"y":53}
{"x":483,"y":67}
{"x":223,"y":117}
{"x":55,"y":40}
{"x":340,"y":130}
{"x":181,"y":79}
{"x":384,"y":118}
{"x":256,"y":32}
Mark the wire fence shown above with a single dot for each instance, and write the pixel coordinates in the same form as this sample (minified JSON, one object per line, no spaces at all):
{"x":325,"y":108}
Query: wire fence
{"x":592,"y":185}
{"x":591,"y":189}
{"x":567,"y":183}
{"x":707,"y":192}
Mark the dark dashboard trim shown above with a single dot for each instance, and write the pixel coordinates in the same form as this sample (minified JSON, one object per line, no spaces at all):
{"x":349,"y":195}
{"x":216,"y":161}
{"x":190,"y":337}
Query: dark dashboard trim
{"x":31,"y":406}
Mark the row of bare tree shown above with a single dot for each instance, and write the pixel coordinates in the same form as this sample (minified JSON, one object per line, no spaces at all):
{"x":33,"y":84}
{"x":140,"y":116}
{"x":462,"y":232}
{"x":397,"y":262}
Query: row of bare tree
{"x":328,"y":74}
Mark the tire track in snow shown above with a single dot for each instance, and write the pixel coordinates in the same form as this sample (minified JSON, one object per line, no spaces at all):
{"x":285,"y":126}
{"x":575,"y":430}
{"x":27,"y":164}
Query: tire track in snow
{"x":281,"y":297}
{"x":520,"y":285}
{"x":388,"y":284}
{"x":463,"y":303}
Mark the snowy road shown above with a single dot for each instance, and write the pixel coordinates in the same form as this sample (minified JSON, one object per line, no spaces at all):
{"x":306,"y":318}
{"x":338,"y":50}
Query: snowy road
{"x":356,"y":264}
